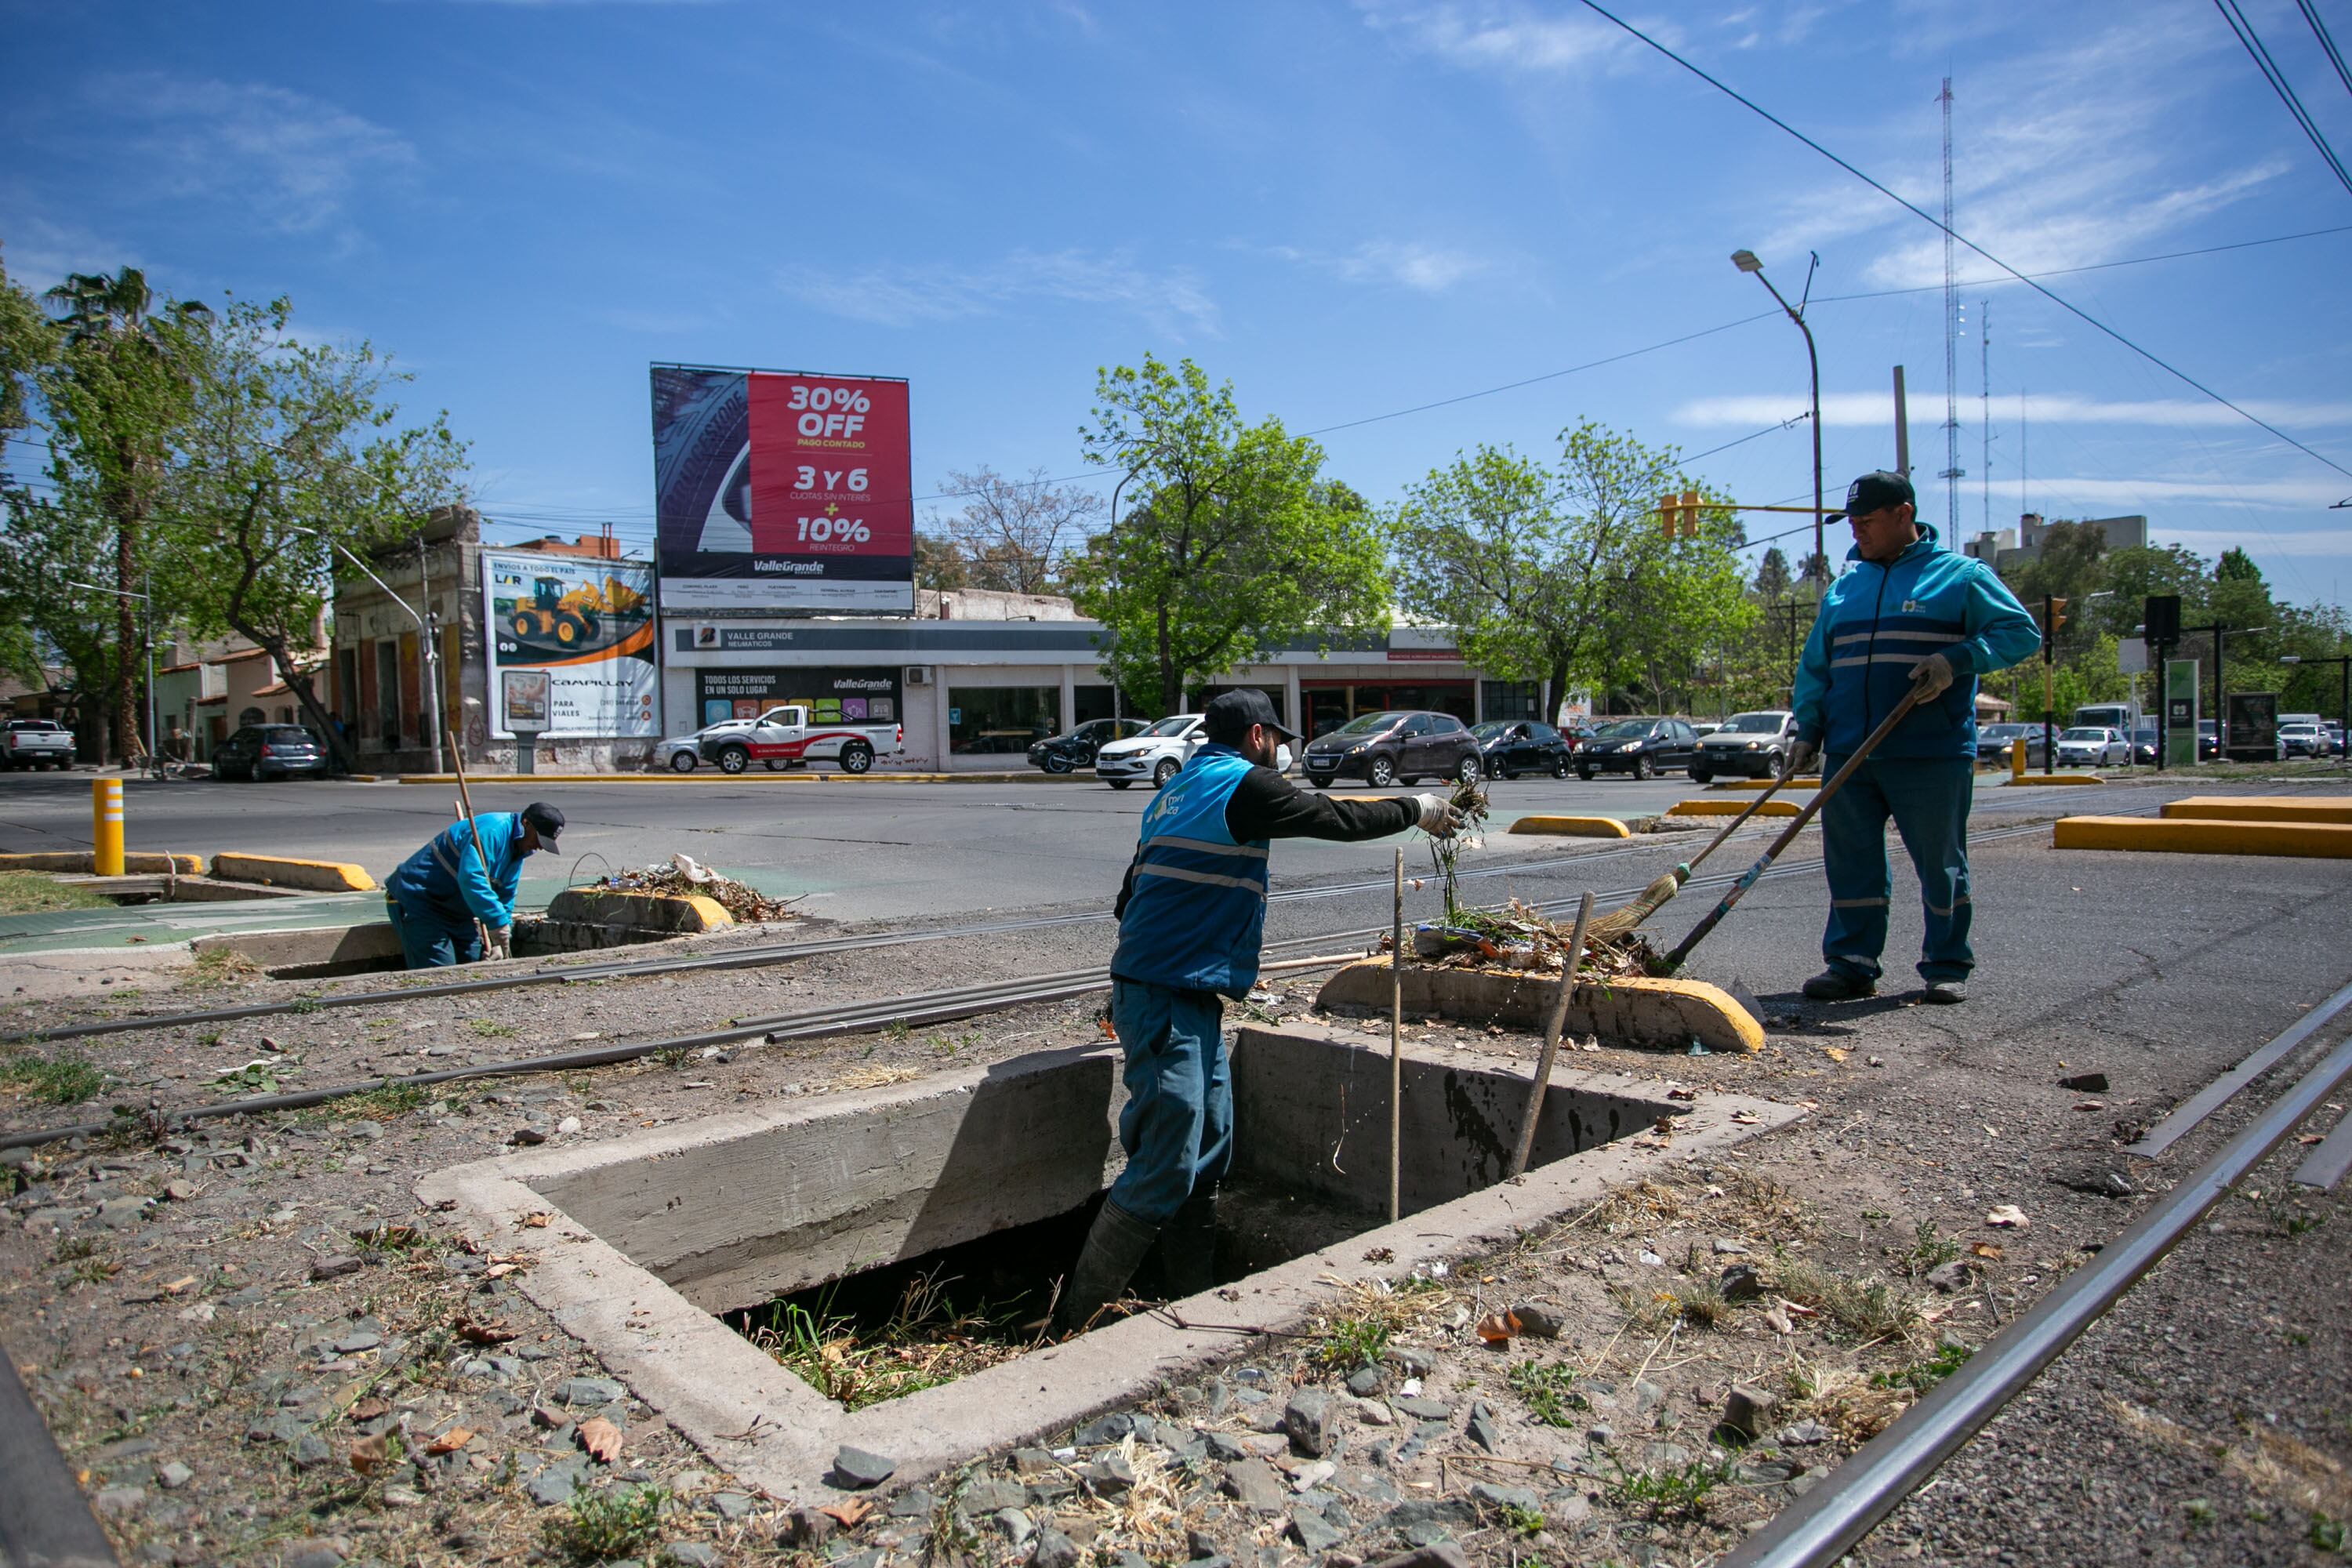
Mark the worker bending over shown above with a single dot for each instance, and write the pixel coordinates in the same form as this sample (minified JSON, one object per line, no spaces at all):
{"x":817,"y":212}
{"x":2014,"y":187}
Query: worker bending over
{"x":1191,"y":915}
{"x":445,"y":895}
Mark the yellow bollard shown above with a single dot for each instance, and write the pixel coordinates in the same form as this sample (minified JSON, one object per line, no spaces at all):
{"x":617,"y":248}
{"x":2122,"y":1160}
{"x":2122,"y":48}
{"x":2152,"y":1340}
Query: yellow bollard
{"x":2017,"y":759}
{"x":106,"y":826}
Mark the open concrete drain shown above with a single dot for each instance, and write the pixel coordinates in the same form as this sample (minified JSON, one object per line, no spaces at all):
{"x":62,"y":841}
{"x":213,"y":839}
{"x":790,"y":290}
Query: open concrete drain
{"x":653,"y":1235}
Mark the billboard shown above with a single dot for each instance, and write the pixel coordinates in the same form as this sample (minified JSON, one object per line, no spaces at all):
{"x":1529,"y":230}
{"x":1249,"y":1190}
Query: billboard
{"x":782,"y":491}
{"x":588,"y":624}
{"x":868,"y":695}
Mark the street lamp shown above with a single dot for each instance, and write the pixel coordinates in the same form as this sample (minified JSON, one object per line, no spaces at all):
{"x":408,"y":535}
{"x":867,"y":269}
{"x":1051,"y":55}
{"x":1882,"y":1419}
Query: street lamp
{"x":1747,"y":262}
{"x":154,"y":741}
{"x":424,"y":640}
{"x":2344,"y":700}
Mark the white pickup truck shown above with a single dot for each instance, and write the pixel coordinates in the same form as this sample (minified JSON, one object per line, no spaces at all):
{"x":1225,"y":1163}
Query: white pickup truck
{"x":37,"y":743}
{"x":784,"y":737}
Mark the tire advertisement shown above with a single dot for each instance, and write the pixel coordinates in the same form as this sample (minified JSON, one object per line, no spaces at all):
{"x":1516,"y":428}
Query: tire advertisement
{"x":780,"y":490}
{"x":588,"y":625}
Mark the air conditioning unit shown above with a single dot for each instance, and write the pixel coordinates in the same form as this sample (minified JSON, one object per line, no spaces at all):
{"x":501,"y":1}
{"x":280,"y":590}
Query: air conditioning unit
{"x":919,"y":675}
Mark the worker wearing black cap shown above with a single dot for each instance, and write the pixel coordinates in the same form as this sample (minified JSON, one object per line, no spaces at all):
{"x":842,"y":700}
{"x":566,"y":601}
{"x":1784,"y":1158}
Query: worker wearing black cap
{"x":1191,"y":915}
{"x":1908,"y":616}
{"x":445,"y":895}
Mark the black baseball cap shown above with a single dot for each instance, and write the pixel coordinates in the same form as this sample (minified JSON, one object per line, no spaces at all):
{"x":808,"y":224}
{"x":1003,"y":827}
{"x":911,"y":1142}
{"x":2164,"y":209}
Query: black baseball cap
{"x":1878,"y":488}
{"x":1229,"y":714}
{"x":546,"y":819}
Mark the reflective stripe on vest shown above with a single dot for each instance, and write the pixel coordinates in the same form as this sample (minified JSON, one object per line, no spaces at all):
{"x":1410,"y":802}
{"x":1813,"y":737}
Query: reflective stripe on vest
{"x":1196,"y":914}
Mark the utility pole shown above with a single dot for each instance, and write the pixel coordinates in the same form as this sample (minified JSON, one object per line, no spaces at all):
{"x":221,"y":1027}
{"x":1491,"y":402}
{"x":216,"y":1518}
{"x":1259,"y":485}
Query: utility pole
{"x":1745,"y":261}
{"x":1952,"y":470}
{"x":1902,"y":427}
{"x":1984,"y":346}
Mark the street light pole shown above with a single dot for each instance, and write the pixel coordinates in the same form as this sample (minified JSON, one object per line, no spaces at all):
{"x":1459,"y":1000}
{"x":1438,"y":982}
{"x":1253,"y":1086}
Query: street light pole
{"x":424,"y":637}
{"x":1747,"y":262}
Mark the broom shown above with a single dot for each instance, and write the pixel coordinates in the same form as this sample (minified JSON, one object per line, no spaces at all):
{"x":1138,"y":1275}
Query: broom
{"x":1654,"y":897}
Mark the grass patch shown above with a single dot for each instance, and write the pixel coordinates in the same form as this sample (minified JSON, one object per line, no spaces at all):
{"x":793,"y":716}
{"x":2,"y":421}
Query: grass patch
{"x":218,"y":967}
{"x":602,"y":1526}
{"x":1359,"y":1331}
{"x":1930,"y":1251}
{"x":1869,"y":1308}
{"x":1547,"y":1389}
{"x":1667,"y":1495}
{"x":68,"y":1080}
{"x":385,"y":1103}
{"x":490,"y":1028}
{"x":928,"y":1340}
{"x":37,"y":892}
{"x":1922,"y":1376}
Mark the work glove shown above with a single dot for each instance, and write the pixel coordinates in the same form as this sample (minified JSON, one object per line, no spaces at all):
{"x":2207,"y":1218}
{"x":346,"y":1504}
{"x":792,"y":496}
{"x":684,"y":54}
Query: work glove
{"x":1440,"y":818}
{"x":501,"y":942}
{"x":1931,"y":676}
{"x":1804,"y":756}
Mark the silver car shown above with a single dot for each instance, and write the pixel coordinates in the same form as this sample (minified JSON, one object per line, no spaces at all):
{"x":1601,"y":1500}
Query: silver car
{"x":680,"y":753}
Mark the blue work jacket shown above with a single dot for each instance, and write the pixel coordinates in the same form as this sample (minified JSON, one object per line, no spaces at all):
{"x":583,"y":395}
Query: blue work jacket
{"x":1877,"y":622}
{"x":445,"y":881}
{"x":1196,"y":915}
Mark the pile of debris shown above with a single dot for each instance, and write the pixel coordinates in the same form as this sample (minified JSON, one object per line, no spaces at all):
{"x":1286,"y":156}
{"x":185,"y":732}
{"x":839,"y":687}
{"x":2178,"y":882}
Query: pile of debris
{"x":1522,"y":937}
{"x":683,"y":876}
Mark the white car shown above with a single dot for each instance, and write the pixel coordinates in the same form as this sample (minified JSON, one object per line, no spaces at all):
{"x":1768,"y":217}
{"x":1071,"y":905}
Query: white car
{"x":1282,"y":757}
{"x":2303,"y":741}
{"x":1157,"y":754}
{"x":2093,"y":746}
{"x":679,"y":754}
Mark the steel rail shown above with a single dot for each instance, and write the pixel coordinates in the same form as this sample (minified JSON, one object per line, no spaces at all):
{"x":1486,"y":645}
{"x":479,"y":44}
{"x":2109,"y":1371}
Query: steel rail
{"x":1831,"y":1518}
{"x":2210,"y":1099}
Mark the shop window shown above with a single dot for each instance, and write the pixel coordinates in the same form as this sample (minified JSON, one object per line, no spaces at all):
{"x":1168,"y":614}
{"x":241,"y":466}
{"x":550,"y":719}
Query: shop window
{"x":1511,"y":698}
{"x":986,"y":721}
{"x":1092,"y":702}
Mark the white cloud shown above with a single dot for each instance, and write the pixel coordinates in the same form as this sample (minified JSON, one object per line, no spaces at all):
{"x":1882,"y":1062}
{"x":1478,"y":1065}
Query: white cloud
{"x":1495,"y":35}
{"x":40,"y":253}
{"x":1428,"y":268}
{"x":2289,"y":495}
{"x":896,"y":296}
{"x":284,"y":158}
{"x":1875,"y":408}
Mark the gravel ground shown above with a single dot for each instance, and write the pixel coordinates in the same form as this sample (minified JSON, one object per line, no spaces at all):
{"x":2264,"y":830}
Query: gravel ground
{"x":210,"y":1318}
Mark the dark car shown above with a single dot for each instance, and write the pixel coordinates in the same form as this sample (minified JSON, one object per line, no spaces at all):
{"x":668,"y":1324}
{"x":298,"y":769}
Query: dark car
{"x":2143,"y":744}
{"x":270,"y":752}
{"x":1993,"y":743}
{"x":1062,"y":754}
{"x":1751,"y":745}
{"x":1509,"y":747}
{"x":2209,"y":740}
{"x":1401,"y":747}
{"x":1642,"y":747}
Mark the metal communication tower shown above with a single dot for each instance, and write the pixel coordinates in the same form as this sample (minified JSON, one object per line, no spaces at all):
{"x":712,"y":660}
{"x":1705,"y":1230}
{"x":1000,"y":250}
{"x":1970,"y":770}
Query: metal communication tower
{"x":1984,"y":346}
{"x":1952,"y":470}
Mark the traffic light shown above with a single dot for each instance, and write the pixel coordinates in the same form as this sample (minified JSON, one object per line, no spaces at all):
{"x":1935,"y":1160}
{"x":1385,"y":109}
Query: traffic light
{"x":2053,"y":616}
{"x":1678,"y":515}
{"x":2057,"y":616}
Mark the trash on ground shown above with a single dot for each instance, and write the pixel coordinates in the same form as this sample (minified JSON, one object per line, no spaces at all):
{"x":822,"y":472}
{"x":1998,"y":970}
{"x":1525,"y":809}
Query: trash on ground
{"x":684,"y":876}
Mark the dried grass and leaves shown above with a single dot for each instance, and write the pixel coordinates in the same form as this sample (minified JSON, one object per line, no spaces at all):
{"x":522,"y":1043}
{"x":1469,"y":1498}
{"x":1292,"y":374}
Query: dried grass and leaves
{"x":684,"y":876}
{"x":1369,"y":1316}
{"x":2274,"y":1464}
{"x":928,"y":1340}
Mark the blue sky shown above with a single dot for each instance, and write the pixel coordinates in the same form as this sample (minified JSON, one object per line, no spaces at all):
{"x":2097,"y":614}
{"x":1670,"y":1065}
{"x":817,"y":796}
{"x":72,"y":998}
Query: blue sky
{"x":1347,"y":209}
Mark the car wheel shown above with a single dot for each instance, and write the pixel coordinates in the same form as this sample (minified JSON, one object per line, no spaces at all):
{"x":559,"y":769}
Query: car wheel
{"x":1699,"y":775}
{"x":856,"y":757}
{"x":681,"y":761}
{"x":1585,"y":773}
{"x":1320,"y":781}
{"x":1469,"y":770}
{"x":1055,"y":762}
{"x":1163,"y":770}
{"x":1381,"y":774}
{"x":1560,"y":768}
{"x":1508,"y":775}
{"x":1118,"y":783}
{"x":1643,"y":768}
{"x":733,"y":759}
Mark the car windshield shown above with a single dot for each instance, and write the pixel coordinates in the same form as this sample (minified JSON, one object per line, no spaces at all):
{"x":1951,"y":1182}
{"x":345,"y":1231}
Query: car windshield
{"x":1369,"y":723}
{"x":1755,"y":724}
{"x":1174,"y":724}
{"x":285,"y":734}
{"x":46,"y":726}
{"x":2145,"y":733}
{"x":2086,"y":734}
{"x":1625,"y":730}
{"x":1493,"y":728}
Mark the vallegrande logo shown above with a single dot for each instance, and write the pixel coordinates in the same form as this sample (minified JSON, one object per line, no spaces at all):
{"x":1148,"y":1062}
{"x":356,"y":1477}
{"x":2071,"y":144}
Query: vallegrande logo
{"x":1910,"y":607}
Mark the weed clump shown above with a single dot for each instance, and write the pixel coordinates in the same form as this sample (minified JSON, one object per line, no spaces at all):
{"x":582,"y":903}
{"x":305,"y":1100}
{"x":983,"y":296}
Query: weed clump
{"x":1548,"y":1390}
{"x":603,"y":1526}
{"x":68,"y":1080}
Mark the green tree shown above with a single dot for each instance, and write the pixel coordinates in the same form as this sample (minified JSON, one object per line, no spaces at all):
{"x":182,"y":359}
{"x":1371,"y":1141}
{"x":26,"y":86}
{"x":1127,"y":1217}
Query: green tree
{"x":28,"y":346}
{"x":1236,"y":547}
{"x":292,"y":449}
{"x":1773,"y":577}
{"x":2236,"y":566}
{"x":1015,"y":533}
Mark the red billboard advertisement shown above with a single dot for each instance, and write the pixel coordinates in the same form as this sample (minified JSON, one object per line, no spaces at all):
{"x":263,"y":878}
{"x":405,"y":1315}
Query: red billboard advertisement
{"x":783,"y":491}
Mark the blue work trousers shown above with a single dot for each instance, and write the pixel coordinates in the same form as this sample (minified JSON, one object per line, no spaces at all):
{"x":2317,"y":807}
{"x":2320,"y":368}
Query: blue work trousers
{"x":1178,"y":1124}
{"x":1928,"y":799}
{"x":427,"y":942}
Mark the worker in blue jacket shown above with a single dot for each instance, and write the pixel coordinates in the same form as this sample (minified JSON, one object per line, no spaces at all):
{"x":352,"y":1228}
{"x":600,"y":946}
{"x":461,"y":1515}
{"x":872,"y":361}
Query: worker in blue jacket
{"x":1908,"y":615}
{"x":1191,"y":914}
{"x":439,"y":893}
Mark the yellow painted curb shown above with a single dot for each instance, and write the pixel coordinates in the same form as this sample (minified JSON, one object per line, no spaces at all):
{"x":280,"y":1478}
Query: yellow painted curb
{"x":1812,"y":780}
{"x":2261,"y":808}
{"x":2035,"y":781}
{"x":2179,"y":836}
{"x":277,"y":871}
{"x":1659,"y":1013}
{"x":1572,"y":826}
{"x":1732,"y":808}
{"x":135,"y":863}
{"x":682,"y":913}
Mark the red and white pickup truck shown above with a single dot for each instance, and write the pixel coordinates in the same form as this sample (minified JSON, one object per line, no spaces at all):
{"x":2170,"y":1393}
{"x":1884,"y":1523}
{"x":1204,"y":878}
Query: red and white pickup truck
{"x":783,"y":738}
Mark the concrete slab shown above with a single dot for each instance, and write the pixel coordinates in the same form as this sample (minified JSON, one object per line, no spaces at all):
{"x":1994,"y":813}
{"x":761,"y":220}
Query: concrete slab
{"x":624,"y":912}
{"x":2190,"y":835}
{"x":2038,"y":781}
{"x":1732,"y":807}
{"x":135,"y":862}
{"x":871,"y":1151}
{"x":1810,"y":781}
{"x":282,"y":871}
{"x":2336,"y":808}
{"x":1655,"y":1014}
{"x":1572,"y":826}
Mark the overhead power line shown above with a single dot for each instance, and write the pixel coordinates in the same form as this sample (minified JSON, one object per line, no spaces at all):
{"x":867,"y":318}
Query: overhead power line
{"x":2319,"y":30}
{"x":2071,"y":308}
{"x":2261,"y":56}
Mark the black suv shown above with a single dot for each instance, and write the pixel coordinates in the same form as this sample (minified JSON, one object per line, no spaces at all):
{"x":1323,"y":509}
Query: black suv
{"x":1078,"y":748}
{"x":270,"y":752}
{"x":1406,"y":747}
{"x":1509,"y":747}
{"x":1643,"y":747}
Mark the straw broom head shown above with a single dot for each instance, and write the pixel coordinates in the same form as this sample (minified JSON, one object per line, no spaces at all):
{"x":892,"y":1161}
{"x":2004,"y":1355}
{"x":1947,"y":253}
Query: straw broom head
{"x":1654,"y":898}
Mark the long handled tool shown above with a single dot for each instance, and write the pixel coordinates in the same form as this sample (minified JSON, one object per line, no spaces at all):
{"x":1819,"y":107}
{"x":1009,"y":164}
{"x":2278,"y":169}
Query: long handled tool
{"x":1830,"y":786}
{"x":1552,"y":1029}
{"x":1654,"y":896}
{"x":472,"y":828}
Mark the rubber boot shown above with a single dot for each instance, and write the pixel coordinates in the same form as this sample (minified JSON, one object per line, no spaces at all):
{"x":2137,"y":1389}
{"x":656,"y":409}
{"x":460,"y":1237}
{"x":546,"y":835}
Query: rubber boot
{"x":1188,"y":1247}
{"x":1114,"y":1248}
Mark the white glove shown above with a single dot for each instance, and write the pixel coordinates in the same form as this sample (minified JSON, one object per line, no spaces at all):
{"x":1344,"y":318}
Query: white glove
{"x":1439,"y":817}
{"x":1931,"y":676}
{"x":1804,"y":756}
{"x":501,"y":942}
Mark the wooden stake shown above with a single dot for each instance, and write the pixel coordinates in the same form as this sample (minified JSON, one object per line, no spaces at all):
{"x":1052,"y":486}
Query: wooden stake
{"x":1552,"y":1028}
{"x":472,"y":828}
{"x":1396,"y":1036}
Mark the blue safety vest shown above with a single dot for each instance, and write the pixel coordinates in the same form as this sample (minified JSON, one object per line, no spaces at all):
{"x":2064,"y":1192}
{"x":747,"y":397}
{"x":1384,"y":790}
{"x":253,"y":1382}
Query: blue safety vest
{"x":1196,"y":914}
{"x":445,"y":881}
